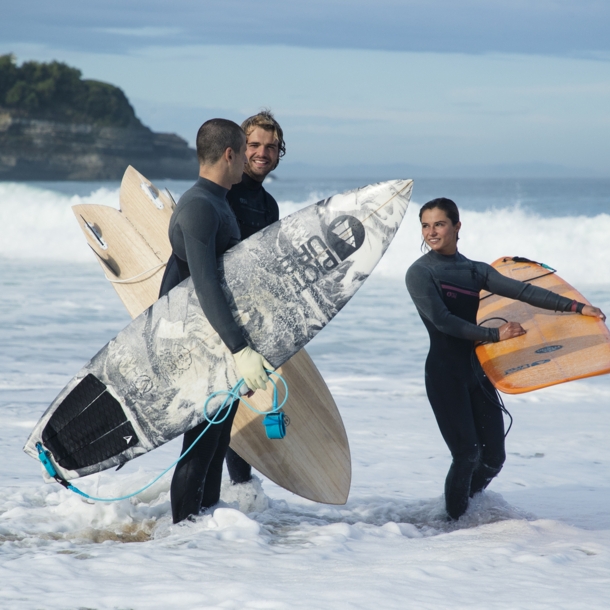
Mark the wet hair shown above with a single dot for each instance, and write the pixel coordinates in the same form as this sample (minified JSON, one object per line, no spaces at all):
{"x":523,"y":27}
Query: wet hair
{"x":265,"y":120}
{"x":444,"y":204}
{"x":214,"y":137}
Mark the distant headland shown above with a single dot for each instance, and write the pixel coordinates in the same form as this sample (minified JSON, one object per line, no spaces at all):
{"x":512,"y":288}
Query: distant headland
{"x":55,"y":125}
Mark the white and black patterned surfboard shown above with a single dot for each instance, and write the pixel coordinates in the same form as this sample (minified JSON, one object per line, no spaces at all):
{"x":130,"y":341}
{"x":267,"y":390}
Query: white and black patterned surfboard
{"x":284,"y":284}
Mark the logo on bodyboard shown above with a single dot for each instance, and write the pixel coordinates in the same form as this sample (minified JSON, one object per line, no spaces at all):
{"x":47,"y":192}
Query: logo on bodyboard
{"x":549,"y":348}
{"x":526,"y":366}
{"x":345,"y":234}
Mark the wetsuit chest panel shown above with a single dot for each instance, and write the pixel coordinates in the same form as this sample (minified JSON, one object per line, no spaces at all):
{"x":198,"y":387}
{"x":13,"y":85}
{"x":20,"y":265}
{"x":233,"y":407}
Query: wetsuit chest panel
{"x":254,"y":208}
{"x":252,"y":212}
{"x":460,"y":301}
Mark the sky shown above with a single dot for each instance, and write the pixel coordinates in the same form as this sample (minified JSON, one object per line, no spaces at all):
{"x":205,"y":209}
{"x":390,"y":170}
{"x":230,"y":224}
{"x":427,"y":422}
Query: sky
{"x":473,"y":85}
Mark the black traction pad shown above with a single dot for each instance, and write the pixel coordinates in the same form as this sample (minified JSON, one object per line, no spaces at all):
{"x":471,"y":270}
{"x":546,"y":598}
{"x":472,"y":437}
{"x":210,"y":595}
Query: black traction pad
{"x":88,"y":427}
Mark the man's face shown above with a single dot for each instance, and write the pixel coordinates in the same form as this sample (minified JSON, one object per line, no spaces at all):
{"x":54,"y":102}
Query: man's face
{"x":262,"y":153}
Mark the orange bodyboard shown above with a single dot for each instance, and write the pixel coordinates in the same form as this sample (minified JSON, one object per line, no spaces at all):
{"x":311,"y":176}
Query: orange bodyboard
{"x":557,"y":347}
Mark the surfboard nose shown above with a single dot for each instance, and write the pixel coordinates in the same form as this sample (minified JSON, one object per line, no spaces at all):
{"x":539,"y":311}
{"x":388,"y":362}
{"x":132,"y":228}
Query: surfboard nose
{"x":388,"y":200}
{"x":394,"y":192}
{"x":360,"y":224}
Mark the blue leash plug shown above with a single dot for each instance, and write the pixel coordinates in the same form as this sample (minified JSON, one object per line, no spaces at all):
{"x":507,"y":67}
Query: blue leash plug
{"x":274,"y":421}
{"x":275,"y":425}
{"x":43,"y":456}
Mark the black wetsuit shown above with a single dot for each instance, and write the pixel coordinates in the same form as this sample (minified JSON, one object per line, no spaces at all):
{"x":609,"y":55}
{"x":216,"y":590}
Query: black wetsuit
{"x":201,"y":229}
{"x":254,"y":209}
{"x":445,"y":290}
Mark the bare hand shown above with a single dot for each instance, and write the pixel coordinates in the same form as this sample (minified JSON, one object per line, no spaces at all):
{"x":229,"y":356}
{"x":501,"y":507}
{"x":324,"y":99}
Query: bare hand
{"x":594,"y":312}
{"x":510,"y":330}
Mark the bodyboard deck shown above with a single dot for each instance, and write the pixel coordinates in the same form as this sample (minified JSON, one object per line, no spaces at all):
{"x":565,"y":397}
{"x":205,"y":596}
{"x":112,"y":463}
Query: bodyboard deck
{"x":557,"y":347}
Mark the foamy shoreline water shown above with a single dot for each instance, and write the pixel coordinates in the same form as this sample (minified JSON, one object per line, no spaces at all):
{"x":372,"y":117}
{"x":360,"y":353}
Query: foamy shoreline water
{"x":540,"y":538}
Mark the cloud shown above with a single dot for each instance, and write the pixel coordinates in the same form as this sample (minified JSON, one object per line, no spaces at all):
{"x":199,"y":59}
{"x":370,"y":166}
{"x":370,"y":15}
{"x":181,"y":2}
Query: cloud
{"x":552,"y":27}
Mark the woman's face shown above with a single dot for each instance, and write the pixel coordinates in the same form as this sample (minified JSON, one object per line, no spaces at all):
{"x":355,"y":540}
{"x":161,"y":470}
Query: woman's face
{"x":439,"y":232}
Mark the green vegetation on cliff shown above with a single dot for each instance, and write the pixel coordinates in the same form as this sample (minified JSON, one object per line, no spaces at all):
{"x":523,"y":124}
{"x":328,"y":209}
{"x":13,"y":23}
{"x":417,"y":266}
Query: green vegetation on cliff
{"x":55,"y":91}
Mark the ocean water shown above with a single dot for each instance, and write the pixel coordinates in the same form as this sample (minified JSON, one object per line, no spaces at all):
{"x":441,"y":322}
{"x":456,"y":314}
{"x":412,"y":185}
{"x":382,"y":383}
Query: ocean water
{"x":538,"y":538}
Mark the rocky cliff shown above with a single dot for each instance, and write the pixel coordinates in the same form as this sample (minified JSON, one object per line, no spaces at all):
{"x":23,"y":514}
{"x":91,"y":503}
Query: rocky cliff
{"x":37,"y":149}
{"x":54,"y":125}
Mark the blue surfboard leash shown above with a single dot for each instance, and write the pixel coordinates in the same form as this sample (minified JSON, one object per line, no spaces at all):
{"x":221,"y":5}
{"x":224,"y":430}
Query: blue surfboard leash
{"x":275,"y":423}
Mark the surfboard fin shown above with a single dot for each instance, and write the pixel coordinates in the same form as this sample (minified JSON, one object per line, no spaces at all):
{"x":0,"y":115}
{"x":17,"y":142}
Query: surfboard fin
{"x":171,"y":198}
{"x":107,"y":263}
{"x":152,"y":193}
{"x":95,"y":233}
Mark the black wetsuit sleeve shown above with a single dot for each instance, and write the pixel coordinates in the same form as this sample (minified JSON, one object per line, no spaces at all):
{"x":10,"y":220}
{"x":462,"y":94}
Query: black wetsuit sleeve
{"x":199,"y":232}
{"x":522,"y":291}
{"x":430,"y":305}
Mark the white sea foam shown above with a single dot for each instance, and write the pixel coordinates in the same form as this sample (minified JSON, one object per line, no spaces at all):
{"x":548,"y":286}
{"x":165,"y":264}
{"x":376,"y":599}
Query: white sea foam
{"x":539,"y":538}
{"x":577,"y":246}
{"x":38,"y":224}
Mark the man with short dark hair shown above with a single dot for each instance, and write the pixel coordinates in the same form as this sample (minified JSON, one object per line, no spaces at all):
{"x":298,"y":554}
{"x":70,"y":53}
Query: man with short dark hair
{"x":255,"y":209}
{"x":214,"y":137}
{"x":201,"y":229}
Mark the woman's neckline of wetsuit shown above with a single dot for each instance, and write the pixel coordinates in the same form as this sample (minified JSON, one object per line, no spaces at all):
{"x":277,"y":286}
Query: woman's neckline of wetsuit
{"x":443,"y":257}
{"x":212,"y":187}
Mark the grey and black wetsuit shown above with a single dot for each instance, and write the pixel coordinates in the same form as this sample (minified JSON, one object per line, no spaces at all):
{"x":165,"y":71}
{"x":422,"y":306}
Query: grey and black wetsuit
{"x":201,"y":229}
{"x":445,"y":290}
{"x":254,"y":209}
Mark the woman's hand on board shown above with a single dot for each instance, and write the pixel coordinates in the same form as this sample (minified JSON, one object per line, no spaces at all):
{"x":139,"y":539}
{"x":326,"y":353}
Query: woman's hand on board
{"x":594,"y":312}
{"x":510,"y":330}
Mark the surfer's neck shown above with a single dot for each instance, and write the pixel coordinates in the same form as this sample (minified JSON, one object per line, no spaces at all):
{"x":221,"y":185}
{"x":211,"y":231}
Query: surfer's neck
{"x":215,"y":175}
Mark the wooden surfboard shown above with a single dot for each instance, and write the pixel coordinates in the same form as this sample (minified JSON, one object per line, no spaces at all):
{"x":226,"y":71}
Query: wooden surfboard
{"x":131,"y":244}
{"x":557,"y":347}
{"x":313,"y":460}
